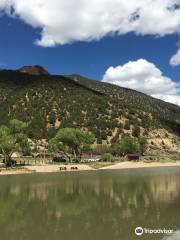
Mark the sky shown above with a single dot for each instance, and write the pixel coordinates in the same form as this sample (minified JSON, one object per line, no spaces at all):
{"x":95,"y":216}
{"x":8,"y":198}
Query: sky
{"x":133,"y":44}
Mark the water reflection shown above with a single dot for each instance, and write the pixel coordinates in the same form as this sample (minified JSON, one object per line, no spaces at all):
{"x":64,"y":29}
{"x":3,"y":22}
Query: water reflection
{"x":165,"y":188}
{"x":103,"y":205}
{"x":175,"y":236}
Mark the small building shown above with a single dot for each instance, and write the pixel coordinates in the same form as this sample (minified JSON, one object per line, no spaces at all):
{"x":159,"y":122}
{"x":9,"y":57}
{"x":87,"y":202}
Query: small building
{"x":133,"y":157}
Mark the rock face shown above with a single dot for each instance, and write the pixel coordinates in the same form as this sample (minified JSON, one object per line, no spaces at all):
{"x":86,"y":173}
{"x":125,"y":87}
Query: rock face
{"x":34,"y":70}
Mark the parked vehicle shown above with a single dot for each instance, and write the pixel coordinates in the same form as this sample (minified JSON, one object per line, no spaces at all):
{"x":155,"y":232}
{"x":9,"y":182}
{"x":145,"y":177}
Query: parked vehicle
{"x":59,"y":159}
{"x":133,"y":157}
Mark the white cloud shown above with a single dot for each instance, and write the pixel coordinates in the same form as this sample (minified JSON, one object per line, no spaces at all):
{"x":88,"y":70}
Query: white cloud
{"x":175,"y":60}
{"x":65,"y":21}
{"x":145,"y":77}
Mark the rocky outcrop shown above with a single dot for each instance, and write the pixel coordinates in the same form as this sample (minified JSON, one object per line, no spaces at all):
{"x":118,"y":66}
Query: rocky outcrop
{"x":34,"y":70}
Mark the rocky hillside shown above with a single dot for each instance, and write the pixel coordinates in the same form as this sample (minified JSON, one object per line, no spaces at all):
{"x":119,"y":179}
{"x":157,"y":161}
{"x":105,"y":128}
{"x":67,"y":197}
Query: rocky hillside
{"x":132,"y":98}
{"x":48,"y":102}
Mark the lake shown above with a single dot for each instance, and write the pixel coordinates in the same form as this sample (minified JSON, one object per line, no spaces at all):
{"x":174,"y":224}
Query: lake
{"x":94,"y":205}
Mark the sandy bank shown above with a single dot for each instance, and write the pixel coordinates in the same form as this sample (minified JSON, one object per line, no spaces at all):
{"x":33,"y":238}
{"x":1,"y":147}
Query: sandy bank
{"x":84,"y":167}
{"x":127,"y":165}
{"x":56,"y":168}
{"x":45,"y":169}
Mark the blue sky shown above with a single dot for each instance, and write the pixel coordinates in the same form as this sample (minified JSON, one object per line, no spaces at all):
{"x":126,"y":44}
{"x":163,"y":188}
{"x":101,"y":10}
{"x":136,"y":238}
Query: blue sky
{"x":122,"y":43}
{"x":89,"y":59}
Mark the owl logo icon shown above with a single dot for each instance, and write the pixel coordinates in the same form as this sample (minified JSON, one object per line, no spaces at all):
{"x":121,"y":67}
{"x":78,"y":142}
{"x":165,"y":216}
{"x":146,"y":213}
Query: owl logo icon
{"x":139,"y":231}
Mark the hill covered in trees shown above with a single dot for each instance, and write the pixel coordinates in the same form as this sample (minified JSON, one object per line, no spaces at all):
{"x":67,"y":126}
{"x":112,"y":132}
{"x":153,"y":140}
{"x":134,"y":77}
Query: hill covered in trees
{"x":50,"y":102}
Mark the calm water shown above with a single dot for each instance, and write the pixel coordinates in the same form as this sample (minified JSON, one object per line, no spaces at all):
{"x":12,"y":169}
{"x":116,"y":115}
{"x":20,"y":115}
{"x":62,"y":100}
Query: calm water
{"x":104,"y":205}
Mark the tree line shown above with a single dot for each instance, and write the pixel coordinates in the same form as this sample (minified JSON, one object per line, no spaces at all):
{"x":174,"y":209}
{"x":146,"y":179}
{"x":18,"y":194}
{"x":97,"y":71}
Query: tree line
{"x":69,"y":142}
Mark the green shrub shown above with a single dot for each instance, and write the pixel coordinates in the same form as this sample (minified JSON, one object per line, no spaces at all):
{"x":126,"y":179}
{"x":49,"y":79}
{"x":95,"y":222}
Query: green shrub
{"x":127,"y":125}
{"x":143,"y":143}
{"x":107,"y":157}
{"x":136,"y":131}
{"x":125,"y":146}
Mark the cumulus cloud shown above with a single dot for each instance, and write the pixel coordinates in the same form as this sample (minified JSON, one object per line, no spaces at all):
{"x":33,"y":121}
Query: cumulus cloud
{"x":175,"y":60}
{"x":66,"y":21}
{"x":145,"y":77}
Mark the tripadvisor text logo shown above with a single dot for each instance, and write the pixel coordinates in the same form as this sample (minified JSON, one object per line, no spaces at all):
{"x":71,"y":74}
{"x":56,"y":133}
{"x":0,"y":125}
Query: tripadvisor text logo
{"x":139,"y":231}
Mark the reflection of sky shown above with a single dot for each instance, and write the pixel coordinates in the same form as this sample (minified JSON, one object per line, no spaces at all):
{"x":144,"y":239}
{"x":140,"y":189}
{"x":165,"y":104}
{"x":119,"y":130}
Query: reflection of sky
{"x":175,"y":236}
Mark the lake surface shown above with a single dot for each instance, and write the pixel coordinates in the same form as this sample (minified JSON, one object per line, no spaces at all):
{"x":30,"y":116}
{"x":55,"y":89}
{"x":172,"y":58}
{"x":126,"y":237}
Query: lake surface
{"x":96,"y":205}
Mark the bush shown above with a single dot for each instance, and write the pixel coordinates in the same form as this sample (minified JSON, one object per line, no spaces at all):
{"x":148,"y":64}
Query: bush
{"x":136,"y":131}
{"x":125,"y":146}
{"x":107,"y":157}
{"x":129,"y":145}
{"x":143,"y":143}
{"x":127,"y":125}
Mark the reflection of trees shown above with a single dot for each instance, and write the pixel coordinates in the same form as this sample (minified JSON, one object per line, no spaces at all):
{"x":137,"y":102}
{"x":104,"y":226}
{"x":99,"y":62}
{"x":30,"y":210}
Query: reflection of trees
{"x":81,"y":205}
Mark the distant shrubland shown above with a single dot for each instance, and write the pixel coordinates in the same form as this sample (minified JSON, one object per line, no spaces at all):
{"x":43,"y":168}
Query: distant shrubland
{"x":48,"y":103}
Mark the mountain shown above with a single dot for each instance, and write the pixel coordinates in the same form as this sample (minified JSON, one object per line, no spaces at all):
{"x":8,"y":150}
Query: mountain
{"x":34,"y":70}
{"x":48,"y":102}
{"x":132,"y":98}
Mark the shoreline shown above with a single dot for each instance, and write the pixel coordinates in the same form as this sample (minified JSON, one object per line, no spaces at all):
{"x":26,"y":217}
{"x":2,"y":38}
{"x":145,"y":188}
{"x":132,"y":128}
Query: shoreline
{"x":135,"y":165}
{"x":47,"y":168}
